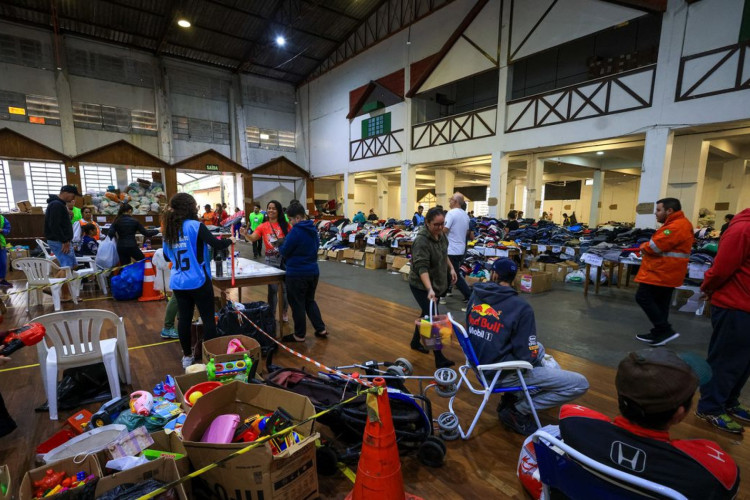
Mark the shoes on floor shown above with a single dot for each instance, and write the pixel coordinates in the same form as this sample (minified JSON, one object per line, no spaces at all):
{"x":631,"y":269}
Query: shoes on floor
{"x":417,"y":346}
{"x":292,"y":338}
{"x":442,"y":301}
{"x":655,"y":340}
{"x":463,"y":309}
{"x":441,"y":361}
{"x":449,"y":294}
{"x":7,"y":425}
{"x":322,"y":335}
{"x":169,"y":333}
{"x":508,"y":399}
{"x":187,"y":361}
{"x":6,"y":284}
{"x":722,"y":422}
{"x":517,"y":421}
{"x":740,"y":412}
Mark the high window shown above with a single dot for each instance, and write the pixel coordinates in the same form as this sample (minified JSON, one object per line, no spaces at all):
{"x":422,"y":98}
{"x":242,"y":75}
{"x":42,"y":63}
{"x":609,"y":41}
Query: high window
{"x":96,"y":178}
{"x":377,"y":125}
{"x":43,"y":179}
{"x":6,"y":192}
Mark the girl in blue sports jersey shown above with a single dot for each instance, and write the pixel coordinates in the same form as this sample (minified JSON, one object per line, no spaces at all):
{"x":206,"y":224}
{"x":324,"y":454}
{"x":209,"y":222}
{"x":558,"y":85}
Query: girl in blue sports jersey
{"x":186,"y":241}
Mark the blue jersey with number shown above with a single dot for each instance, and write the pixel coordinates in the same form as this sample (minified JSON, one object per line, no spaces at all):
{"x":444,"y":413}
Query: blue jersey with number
{"x":187,"y":272}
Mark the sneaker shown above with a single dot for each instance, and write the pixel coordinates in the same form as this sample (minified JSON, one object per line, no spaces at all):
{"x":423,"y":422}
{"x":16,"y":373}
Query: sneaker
{"x":660,"y":340}
{"x":463,"y":309}
{"x":6,"y":284}
{"x":442,"y":301}
{"x":187,"y":361}
{"x":517,"y":421}
{"x":722,"y":422}
{"x":740,"y":412}
{"x":645,"y":337}
{"x":449,"y":294}
{"x":169,"y":333}
{"x":292,"y":338}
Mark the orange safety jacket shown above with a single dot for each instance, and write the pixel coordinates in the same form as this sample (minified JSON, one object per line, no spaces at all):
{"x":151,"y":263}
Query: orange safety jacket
{"x":666,"y":254}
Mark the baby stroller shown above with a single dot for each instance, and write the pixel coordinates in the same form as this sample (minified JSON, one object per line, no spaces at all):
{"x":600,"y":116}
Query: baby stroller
{"x":412,"y":417}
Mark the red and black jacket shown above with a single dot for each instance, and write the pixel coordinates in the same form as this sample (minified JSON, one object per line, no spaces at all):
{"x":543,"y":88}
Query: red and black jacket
{"x":697,"y":468}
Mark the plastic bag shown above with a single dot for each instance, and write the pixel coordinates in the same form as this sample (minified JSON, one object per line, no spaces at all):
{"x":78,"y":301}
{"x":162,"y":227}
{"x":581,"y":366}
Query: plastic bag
{"x":436,"y":330}
{"x":128,"y":285}
{"x":106,"y":256}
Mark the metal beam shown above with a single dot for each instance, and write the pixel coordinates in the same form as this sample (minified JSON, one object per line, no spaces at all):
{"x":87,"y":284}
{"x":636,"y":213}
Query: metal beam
{"x":658,"y":6}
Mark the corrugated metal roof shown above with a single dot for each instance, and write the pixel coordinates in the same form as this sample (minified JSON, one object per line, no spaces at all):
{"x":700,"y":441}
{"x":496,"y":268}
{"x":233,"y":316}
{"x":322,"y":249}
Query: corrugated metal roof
{"x":235,"y":34}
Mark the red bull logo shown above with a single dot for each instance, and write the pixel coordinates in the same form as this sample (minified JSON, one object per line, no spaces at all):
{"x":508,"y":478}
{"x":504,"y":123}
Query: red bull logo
{"x":485,"y":310}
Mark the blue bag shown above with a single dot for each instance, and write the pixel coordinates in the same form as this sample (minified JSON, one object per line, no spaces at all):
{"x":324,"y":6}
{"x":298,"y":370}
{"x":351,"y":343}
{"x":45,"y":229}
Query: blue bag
{"x":128,"y":285}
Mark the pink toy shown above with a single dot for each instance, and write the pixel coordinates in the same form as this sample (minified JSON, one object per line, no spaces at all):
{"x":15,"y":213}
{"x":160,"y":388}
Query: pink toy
{"x":141,"y":403}
{"x":235,"y":346}
{"x":221,"y":430}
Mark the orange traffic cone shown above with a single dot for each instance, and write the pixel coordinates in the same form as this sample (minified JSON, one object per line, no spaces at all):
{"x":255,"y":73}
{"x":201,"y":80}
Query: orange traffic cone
{"x":149,"y":278}
{"x":379,"y":470}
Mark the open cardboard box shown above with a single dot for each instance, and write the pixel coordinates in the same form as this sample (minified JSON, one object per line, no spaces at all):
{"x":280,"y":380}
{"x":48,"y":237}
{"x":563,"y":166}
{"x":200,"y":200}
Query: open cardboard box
{"x":217,"y":348}
{"x":536,"y":282}
{"x":183,"y":383}
{"x":258,"y":473}
{"x":161,"y":469}
{"x":89,"y":465}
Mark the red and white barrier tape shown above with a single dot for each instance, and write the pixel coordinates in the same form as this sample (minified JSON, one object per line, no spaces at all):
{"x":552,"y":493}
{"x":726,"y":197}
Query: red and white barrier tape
{"x":321,"y":366}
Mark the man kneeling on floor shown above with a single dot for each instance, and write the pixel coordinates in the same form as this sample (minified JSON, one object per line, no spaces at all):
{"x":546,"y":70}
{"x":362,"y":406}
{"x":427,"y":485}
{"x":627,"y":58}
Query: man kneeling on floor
{"x":655,"y":390}
{"x":501,"y":327}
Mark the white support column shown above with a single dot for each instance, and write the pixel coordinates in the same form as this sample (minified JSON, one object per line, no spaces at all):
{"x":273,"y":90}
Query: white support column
{"x":444,"y":185}
{"x":534,"y":180}
{"x":65,"y":106}
{"x":657,"y":155}
{"x":408,"y":191}
{"x":498,"y":184}
{"x":163,"y":112}
{"x":349,"y":195}
{"x":687,"y":173}
{"x":596,"y":198}
{"x":735,"y":188}
{"x":382,"y":187}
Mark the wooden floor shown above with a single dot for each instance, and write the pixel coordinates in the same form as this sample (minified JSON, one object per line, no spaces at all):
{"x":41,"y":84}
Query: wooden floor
{"x":361,"y":327}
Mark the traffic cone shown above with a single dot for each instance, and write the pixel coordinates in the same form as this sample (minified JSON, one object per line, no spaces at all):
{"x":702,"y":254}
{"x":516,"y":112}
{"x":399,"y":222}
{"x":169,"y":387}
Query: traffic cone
{"x":379,"y":470}
{"x":149,"y":277}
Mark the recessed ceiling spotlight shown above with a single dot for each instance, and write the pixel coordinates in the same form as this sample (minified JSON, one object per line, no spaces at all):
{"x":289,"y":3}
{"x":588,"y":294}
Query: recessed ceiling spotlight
{"x":280,"y":41}
{"x":183,"y":23}
{"x":600,"y":153}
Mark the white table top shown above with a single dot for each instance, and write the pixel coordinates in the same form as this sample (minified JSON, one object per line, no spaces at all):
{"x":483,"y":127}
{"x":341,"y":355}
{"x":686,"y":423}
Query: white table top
{"x":246,"y":268}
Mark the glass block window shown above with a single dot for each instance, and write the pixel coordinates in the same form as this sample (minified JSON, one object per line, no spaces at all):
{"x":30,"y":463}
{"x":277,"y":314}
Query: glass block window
{"x":377,"y":125}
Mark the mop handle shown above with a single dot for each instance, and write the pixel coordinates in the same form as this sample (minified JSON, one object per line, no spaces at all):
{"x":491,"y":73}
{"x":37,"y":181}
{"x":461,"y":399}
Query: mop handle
{"x":232,"y":264}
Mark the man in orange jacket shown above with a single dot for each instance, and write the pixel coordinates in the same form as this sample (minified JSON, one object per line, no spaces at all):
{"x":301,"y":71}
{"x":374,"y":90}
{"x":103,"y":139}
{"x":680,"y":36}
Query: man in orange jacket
{"x":665,"y":261}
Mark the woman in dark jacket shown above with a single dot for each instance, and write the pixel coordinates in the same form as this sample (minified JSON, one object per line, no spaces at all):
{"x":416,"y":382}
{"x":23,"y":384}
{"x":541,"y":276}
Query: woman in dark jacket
{"x":428,"y":278}
{"x":124,"y":228}
{"x":300,"y":252}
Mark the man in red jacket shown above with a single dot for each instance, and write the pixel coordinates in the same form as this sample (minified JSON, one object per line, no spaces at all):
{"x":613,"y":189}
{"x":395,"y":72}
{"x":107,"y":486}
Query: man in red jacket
{"x":727,"y":284}
{"x":665,"y":261}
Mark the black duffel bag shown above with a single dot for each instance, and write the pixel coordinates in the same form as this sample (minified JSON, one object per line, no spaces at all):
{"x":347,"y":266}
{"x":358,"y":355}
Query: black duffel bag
{"x":260,"y":313}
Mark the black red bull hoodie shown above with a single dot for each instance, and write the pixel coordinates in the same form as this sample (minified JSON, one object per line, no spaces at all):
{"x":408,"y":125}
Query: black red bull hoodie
{"x":501,"y":325}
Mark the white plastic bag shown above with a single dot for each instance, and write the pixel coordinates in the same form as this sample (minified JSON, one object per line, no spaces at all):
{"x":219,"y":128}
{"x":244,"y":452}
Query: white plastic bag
{"x":107,"y":257}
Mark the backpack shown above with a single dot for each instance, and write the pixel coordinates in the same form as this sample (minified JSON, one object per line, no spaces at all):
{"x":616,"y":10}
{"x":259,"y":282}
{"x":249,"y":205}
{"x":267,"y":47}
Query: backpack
{"x":231,"y":323}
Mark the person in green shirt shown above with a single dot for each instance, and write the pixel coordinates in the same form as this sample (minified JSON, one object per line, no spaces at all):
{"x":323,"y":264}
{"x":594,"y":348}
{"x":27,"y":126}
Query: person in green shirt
{"x":255,"y":219}
{"x":77,"y":215}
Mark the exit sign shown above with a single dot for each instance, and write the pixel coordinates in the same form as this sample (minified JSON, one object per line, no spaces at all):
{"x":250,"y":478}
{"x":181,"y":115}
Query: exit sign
{"x":212,"y":167}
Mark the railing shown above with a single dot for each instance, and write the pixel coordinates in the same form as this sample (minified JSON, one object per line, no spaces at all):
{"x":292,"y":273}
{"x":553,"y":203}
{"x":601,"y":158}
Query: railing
{"x":714,"y":72}
{"x":458,"y":128}
{"x":377,"y":145}
{"x":625,"y":91}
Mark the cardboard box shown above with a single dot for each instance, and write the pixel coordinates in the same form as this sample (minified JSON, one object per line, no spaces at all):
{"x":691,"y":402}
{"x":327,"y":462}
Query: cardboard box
{"x":258,"y":473}
{"x":400,"y":261}
{"x":471,"y":280}
{"x":24,"y":206}
{"x":375,"y":261}
{"x":217,"y":348}
{"x":170,"y":443}
{"x":162,"y":469}
{"x":537,"y":267}
{"x":36,"y":210}
{"x":405,"y":271}
{"x":90,"y":465}
{"x":359,"y":258}
{"x":559,"y":272}
{"x":322,"y":253}
{"x":536,"y":282}
{"x":336,"y":254}
{"x":349,"y":255}
{"x":183,"y":383}
{"x":389,"y":258}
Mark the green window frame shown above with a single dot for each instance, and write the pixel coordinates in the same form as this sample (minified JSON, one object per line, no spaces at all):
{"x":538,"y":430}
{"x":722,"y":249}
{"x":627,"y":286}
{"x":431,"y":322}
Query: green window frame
{"x":377,"y":125}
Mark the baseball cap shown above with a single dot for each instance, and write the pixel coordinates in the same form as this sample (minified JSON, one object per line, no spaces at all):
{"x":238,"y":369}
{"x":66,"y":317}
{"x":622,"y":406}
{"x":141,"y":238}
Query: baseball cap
{"x":656,"y":380}
{"x":505,"y":268}
{"x":70,"y":189}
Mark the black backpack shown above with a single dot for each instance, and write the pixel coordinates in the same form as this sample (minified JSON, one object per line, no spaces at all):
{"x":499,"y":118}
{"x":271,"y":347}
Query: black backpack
{"x":260,"y":313}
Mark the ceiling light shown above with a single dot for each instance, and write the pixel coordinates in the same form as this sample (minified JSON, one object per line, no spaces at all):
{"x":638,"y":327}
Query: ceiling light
{"x":600,"y":153}
{"x":280,"y":41}
{"x":183,"y":23}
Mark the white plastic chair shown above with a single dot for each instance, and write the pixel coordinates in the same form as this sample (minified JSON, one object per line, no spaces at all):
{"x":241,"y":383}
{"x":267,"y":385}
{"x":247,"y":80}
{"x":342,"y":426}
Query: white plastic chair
{"x":38,"y":273}
{"x":579,"y":476}
{"x":486,"y":388}
{"x":75,"y":341}
{"x":46,"y":250}
{"x":90,"y":261}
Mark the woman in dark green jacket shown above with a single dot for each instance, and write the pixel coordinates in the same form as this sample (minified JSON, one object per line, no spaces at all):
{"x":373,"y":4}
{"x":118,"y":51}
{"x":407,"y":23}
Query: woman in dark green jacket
{"x":428,"y":278}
